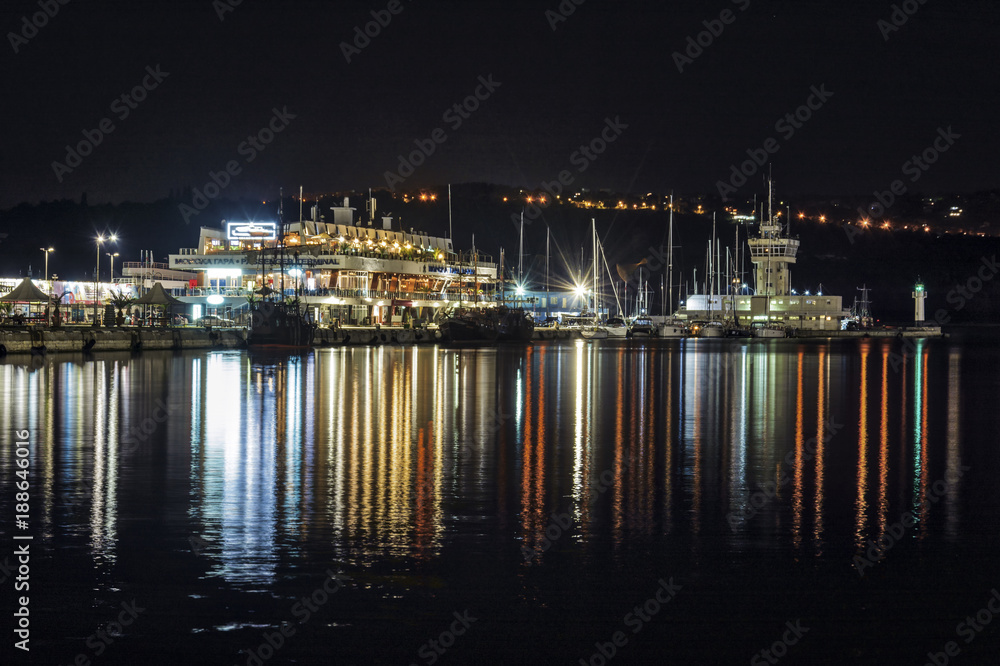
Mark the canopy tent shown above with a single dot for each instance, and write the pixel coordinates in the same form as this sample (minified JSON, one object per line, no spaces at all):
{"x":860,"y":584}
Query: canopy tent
{"x":26,"y":292}
{"x":156,"y":296}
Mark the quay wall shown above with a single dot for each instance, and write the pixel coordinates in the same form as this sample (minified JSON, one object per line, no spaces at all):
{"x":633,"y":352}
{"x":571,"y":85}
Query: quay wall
{"x":905,"y":332}
{"x":35,"y":341}
{"x":90,"y":339}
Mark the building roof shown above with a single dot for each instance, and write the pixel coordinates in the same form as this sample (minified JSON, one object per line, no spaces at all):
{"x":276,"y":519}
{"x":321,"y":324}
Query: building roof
{"x":26,"y":292}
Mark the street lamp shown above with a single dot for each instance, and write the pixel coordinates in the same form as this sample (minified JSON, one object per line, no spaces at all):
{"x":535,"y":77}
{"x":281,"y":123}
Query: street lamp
{"x":112,"y":255}
{"x":97,"y":271}
{"x":46,"y":251}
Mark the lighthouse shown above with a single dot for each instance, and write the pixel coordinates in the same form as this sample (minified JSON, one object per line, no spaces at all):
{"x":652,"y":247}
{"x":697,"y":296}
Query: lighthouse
{"x":918,"y":301}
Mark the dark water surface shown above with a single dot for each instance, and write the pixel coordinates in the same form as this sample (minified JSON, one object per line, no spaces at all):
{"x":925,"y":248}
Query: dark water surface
{"x":545,"y":495}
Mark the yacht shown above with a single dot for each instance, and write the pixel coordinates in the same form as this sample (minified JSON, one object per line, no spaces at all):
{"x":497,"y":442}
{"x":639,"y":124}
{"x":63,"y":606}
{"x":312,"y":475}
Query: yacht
{"x":672,"y":329}
{"x":642,"y":327}
{"x":762,"y":329}
{"x":709,"y":329}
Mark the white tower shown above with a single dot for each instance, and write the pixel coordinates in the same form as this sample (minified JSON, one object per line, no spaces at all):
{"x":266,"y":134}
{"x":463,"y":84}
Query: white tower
{"x":772,"y":255}
{"x":918,"y":301}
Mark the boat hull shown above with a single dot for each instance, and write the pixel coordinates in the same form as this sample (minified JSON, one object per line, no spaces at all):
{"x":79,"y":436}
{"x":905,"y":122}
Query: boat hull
{"x":672,"y":331}
{"x":769,"y":333}
{"x":594,"y":333}
{"x":712,"y":332}
{"x":279,"y":326}
{"x":515,"y":326}
{"x":470,"y":327}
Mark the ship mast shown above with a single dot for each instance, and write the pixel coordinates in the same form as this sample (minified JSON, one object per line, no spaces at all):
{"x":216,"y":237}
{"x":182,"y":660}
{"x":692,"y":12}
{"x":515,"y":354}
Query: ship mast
{"x":593,"y":236}
{"x":670,"y":258}
{"x":281,"y":241}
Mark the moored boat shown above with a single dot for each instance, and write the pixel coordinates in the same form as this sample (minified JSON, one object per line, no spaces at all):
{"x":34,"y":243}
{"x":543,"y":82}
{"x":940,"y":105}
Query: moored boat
{"x":710,"y":329}
{"x":470,"y":326}
{"x":672,"y":329}
{"x":767,"y":330}
{"x":616,"y":328}
{"x":514,"y":325}
{"x":279,"y":325}
{"x":594,"y":333}
{"x":641,"y":327}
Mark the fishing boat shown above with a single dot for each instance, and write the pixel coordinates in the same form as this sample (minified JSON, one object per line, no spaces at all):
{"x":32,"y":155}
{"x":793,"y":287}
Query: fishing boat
{"x":514,"y":324}
{"x":470,"y":325}
{"x":275,"y":322}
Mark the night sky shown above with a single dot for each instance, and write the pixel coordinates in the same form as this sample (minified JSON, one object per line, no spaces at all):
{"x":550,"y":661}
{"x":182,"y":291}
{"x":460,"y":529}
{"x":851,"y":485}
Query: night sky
{"x":224,"y":72}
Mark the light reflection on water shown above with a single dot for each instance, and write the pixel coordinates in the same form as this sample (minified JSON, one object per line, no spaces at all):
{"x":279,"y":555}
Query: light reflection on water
{"x":366,"y":454}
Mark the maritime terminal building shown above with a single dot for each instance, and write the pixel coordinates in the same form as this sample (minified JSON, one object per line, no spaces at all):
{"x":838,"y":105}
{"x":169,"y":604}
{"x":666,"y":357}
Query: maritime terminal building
{"x":773,"y":300}
{"x":345,"y":272}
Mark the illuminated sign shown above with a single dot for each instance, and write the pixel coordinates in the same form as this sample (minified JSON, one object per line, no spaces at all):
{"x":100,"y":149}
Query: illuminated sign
{"x":251,"y":230}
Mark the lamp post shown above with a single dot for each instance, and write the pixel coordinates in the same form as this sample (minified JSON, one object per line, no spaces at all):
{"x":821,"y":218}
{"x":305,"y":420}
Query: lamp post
{"x":112,"y":255}
{"x":97,"y":275}
{"x":97,"y":271}
{"x":46,"y":251}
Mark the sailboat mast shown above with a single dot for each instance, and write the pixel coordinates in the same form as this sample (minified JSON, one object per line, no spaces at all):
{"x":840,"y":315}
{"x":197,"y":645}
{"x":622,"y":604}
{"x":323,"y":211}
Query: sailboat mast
{"x":670,"y":257}
{"x":547,"y":234}
{"x":503,"y":288}
{"x":520,"y":250}
{"x":714,"y":269}
{"x":449,"y":211}
{"x":593,"y":238}
{"x":281,"y":240}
